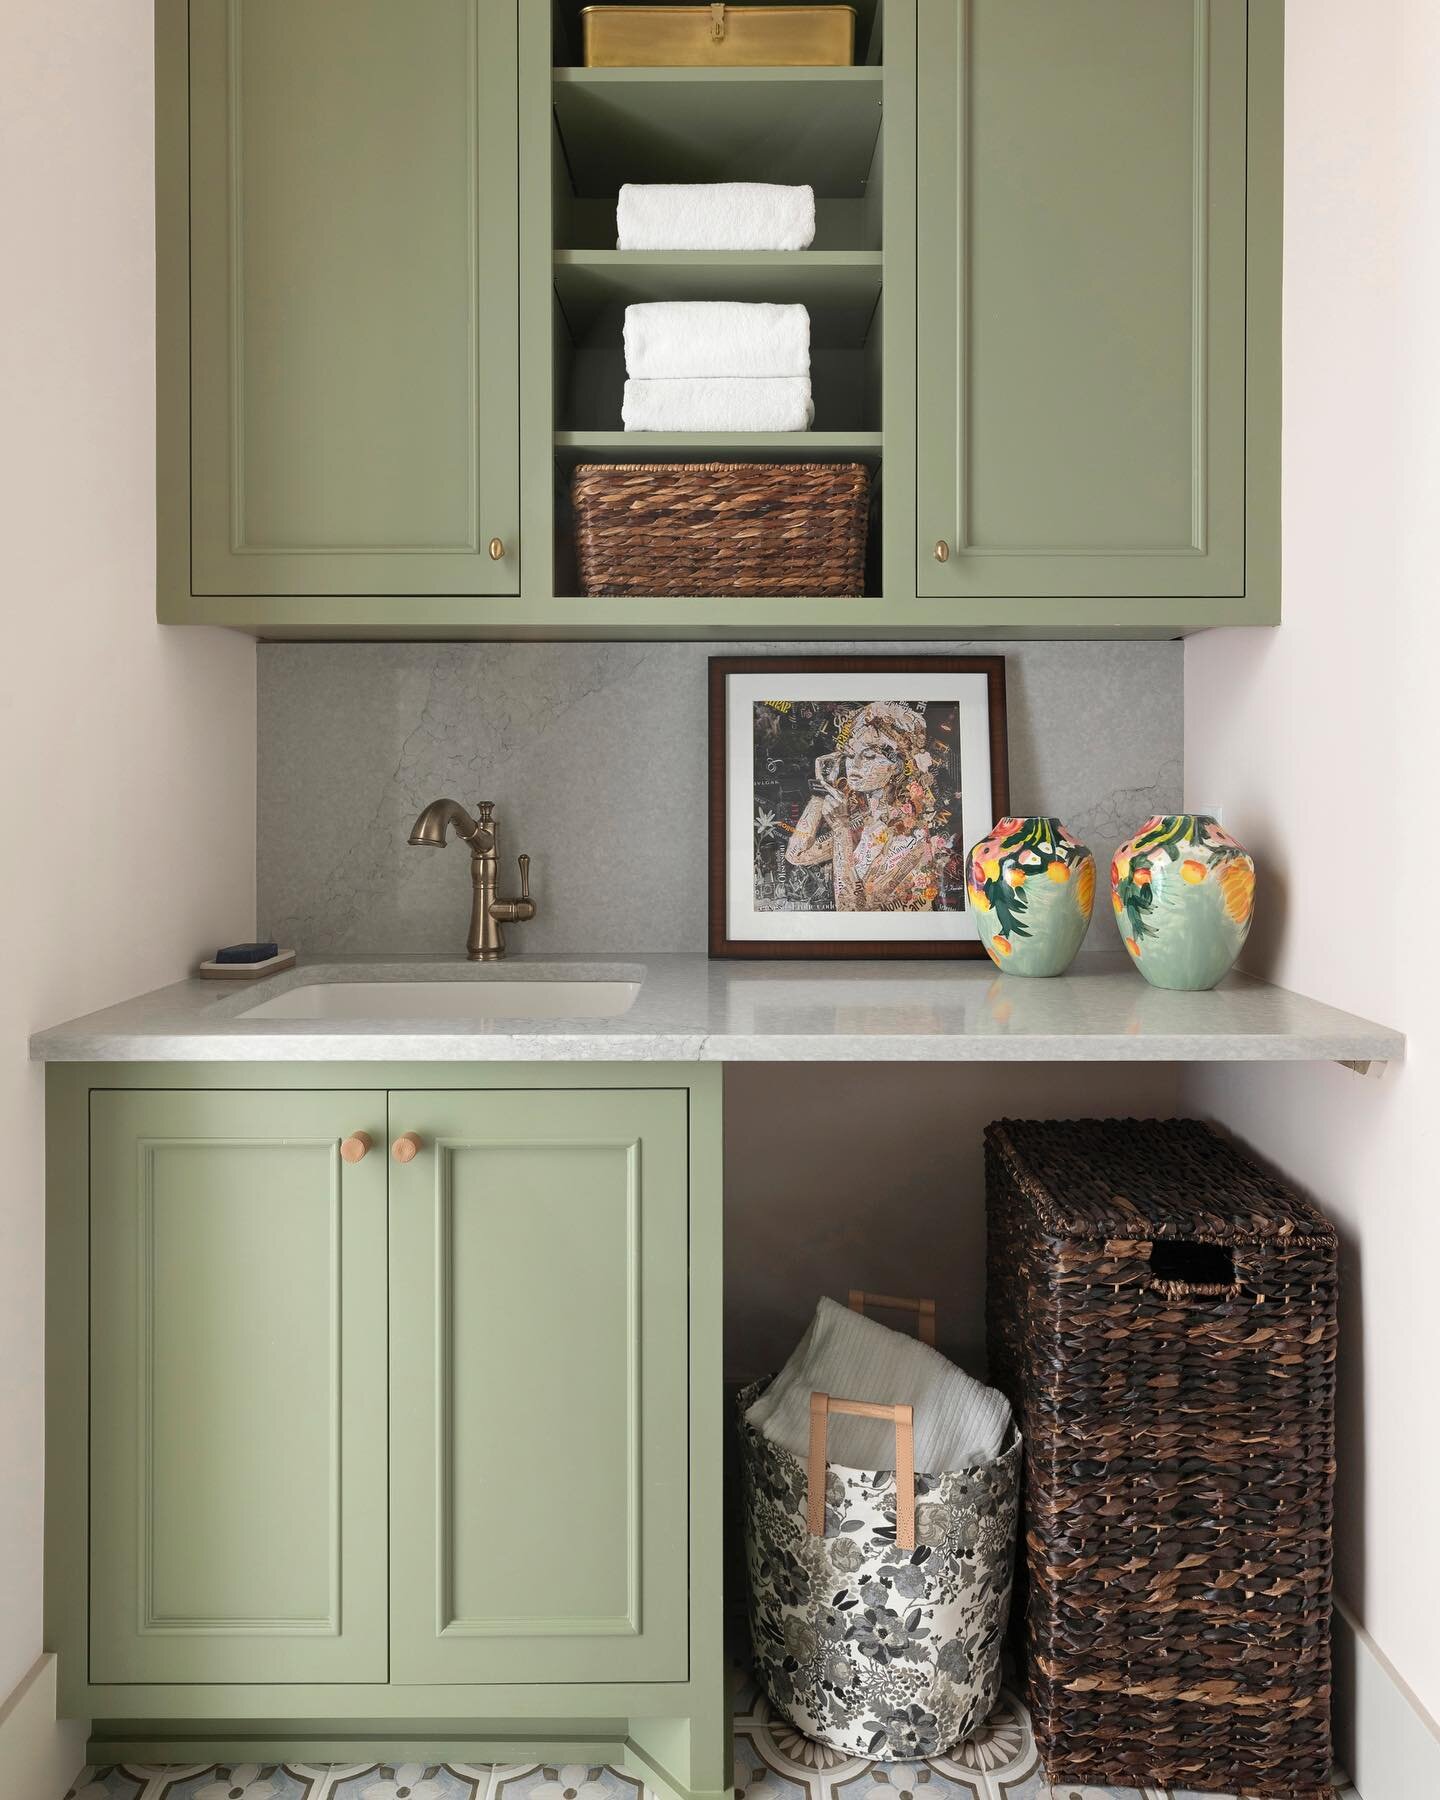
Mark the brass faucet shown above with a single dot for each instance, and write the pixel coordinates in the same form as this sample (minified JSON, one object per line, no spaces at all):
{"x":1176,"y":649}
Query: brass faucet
{"x":486,"y":942}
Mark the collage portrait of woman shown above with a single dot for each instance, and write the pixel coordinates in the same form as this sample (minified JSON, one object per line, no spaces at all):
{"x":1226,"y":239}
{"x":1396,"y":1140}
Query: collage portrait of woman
{"x":857,"y":807}
{"x":844,"y":791}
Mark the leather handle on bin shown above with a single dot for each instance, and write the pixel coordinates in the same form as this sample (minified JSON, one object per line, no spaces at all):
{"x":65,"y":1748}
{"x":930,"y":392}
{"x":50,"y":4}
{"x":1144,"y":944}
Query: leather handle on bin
{"x":821,"y":1407}
{"x":923,"y":1309}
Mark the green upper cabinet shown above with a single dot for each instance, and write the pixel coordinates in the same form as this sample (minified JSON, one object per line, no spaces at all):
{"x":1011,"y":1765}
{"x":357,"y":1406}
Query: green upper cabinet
{"x":539,"y":1410}
{"x":353,"y":305}
{"x":1044,"y":300}
{"x":237,"y":1347}
{"x":1082,"y":303}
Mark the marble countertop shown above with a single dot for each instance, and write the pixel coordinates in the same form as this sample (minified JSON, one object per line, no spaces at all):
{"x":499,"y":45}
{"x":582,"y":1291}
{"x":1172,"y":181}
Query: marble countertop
{"x":690,"y":1009}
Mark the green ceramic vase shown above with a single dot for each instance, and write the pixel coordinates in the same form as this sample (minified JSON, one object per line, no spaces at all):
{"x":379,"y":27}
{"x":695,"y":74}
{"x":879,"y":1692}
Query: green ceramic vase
{"x":1031,"y":886}
{"x":1183,"y":892}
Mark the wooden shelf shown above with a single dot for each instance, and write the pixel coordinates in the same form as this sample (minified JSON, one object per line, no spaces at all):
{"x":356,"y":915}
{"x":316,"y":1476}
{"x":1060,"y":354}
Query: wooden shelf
{"x":817,"y":126}
{"x":710,"y":446}
{"x":840,"y":288}
{"x":857,"y":75}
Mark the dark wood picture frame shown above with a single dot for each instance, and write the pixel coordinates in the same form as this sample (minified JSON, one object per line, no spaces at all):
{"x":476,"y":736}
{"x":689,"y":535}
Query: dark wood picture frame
{"x":721,"y":668}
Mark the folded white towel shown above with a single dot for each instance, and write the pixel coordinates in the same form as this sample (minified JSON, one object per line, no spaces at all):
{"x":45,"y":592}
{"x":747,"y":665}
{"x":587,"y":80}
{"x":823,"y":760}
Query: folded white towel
{"x":716,"y":215}
{"x":958,"y":1421}
{"x":723,"y":403}
{"x":666,"y":340}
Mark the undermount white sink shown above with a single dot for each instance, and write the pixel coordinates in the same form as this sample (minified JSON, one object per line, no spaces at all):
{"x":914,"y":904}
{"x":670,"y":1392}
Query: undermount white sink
{"x":477,"y":999}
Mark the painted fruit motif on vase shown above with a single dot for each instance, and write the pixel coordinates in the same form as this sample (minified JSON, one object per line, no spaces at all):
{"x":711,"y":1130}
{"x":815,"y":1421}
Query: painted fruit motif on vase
{"x":1184,"y":893}
{"x":1031,"y":886}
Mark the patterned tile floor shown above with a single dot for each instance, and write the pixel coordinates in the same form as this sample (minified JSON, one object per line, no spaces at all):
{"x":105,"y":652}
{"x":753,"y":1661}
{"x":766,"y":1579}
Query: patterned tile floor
{"x":354,"y":1781}
{"x":772,"y":1762}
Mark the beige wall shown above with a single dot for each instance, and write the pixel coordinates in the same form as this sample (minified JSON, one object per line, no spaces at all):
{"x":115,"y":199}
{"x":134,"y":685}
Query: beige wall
{"x":127,"y":843}
{"x":1319,"y":744}
{"x":839,"y":1175}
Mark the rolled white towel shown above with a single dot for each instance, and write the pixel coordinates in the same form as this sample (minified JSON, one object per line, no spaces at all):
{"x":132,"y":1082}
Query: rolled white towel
{"x":723,"y":403}
{"x":715,"y":215}
{"x":669,"y":340}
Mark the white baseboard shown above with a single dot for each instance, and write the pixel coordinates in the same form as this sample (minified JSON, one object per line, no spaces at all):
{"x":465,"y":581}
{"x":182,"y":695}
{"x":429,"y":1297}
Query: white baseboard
{"x":40,"y":1755}
{"x":1384,"y":1739}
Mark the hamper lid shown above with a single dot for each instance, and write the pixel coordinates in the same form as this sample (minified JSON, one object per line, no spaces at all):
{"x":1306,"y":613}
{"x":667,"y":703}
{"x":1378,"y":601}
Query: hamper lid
{"x":1149,"y":1178}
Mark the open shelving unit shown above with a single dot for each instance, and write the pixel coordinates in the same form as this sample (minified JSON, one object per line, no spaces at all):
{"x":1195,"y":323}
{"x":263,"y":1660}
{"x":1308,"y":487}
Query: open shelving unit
{"x":822,"y":126}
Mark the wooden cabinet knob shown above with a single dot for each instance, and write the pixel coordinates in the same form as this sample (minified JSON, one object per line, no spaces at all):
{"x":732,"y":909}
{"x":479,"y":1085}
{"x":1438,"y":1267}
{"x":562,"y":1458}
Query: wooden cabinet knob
{"x":406,"y":1147}
{"x":942,"y":550}
{"x":355,"y":1147}
{"x":497,"y":549}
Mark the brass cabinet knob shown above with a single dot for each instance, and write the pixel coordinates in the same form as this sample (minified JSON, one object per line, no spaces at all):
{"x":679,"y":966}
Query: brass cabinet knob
{"x":942,"y":550}
{"x":406,"y":1147}
{"x":355,"y":1147}
{"x":497,"y":549}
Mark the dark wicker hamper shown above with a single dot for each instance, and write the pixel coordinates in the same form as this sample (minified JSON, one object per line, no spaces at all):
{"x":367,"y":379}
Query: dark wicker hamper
{"x":721,"y":528}
{"x":1161,"y":1314}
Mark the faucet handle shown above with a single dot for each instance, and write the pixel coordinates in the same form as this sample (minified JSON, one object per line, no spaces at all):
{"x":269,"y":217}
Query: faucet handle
{"x":485,"y":811}
{"x":515,"y":912}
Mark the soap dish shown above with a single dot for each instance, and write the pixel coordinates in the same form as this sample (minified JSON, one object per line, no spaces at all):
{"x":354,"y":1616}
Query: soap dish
{"x":272,"y":965}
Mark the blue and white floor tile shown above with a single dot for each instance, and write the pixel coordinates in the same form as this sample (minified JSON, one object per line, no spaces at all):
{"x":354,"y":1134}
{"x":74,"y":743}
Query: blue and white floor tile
{"x":772,"y":1762}
{"x":355,"y":1781}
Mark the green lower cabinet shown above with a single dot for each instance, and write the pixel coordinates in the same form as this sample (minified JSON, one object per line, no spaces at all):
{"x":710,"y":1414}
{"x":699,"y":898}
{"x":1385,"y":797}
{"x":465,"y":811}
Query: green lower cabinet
{"x":237,"y":1372}
{"x":538,"y":1399}
{"x":348,"y":1454}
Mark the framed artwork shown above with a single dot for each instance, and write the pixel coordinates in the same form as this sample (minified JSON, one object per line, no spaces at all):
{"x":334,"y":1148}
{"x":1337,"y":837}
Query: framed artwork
{"x":843,"y":793}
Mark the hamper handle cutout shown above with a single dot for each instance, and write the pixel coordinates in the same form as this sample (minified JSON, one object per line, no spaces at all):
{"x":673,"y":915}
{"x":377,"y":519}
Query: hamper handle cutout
{"x":821,"y":1407}
{"x":1191,"y":1264}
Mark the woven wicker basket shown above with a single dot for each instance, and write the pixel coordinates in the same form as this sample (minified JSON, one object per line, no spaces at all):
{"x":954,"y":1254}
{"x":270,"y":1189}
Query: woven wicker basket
{"x":1162,"y":1315}
{"x":717,"y":36}
{"x":721,"y":528}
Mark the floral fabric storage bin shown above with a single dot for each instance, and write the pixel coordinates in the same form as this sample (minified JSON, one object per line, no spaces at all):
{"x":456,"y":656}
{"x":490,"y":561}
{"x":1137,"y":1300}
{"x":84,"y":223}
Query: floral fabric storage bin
{"x":877,"y":1640}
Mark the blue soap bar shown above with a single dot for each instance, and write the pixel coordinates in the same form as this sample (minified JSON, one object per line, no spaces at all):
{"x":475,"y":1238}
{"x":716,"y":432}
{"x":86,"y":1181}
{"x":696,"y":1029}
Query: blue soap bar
{"x":247,"y":953}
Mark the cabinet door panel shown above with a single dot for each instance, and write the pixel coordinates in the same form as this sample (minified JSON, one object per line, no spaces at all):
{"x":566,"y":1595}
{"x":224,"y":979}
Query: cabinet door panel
{"x":354,"y":329}
{"x":238,"y":1319}
{"x":538,"y":1398}
{"x":1082,"y":297}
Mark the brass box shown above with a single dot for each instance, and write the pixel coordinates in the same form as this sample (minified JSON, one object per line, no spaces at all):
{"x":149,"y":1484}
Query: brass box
{"x":718,"y":37}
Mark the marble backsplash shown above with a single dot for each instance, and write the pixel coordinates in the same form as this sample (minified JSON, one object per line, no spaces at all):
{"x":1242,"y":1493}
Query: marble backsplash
{"x":596,"y":758}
